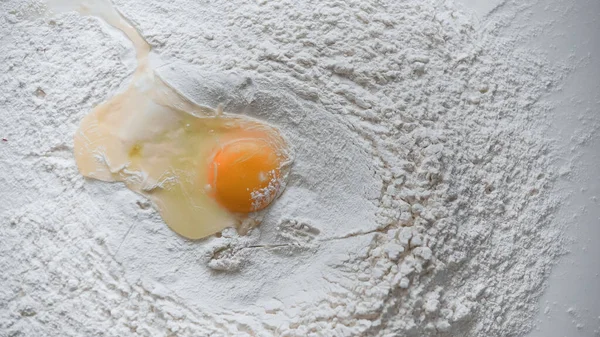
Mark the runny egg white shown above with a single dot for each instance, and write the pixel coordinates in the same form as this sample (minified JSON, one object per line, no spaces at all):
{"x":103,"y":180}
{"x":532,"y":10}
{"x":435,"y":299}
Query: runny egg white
{"x":202,"y":169}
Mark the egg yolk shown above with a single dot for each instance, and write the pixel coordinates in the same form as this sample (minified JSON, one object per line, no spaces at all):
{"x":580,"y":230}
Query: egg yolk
{"x":244,"y":175}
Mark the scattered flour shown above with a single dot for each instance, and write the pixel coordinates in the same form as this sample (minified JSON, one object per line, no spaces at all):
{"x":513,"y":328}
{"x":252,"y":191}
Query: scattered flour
{"x":420,"y":203}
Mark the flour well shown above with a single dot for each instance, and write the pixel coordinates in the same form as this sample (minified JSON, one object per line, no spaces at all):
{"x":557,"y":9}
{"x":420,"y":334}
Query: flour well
{"x":419,"y":204}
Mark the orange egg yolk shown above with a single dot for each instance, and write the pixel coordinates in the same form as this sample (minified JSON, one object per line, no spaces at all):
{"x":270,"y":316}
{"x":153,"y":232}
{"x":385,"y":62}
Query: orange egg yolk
{"x":243,"y":175}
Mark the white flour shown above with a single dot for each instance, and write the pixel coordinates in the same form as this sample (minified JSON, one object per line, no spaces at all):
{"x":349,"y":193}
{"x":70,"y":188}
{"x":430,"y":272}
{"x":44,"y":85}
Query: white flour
{"x":419,"y":203}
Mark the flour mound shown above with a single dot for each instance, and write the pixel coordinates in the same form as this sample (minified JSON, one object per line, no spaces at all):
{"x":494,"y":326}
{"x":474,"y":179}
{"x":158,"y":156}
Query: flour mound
{"x":419,"y":204}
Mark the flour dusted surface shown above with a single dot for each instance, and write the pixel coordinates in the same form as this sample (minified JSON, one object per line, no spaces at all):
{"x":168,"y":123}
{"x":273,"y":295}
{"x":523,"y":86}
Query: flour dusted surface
{"x":442,"y":224}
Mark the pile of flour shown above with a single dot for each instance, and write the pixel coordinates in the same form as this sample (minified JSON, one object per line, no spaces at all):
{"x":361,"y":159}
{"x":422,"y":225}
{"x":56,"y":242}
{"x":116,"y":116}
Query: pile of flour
{"x":420,"y":202}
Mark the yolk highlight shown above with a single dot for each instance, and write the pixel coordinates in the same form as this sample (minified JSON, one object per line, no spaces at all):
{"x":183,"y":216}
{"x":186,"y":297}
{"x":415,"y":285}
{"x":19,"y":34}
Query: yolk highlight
{"x":244,"y":175}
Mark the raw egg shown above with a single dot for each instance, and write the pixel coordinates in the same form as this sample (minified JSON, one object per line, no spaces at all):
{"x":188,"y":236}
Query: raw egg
{"x":204,"y":169}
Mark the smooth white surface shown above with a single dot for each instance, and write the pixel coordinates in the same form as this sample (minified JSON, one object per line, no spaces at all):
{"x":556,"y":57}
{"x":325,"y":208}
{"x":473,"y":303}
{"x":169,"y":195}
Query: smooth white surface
{"x":571,"y":35}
